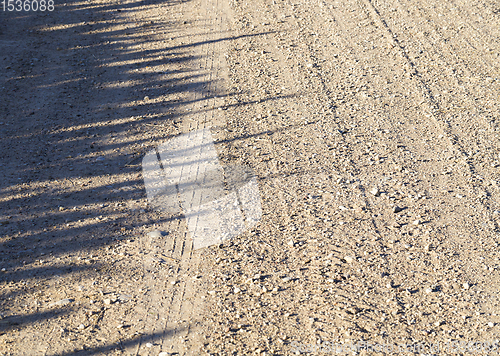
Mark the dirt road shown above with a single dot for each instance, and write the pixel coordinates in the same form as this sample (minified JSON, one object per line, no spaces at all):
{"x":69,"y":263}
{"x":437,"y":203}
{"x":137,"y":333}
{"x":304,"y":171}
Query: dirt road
{"x":372,"y":128}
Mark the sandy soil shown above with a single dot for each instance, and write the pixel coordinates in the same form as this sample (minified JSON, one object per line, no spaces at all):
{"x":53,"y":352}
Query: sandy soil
{"x":372,"y":127}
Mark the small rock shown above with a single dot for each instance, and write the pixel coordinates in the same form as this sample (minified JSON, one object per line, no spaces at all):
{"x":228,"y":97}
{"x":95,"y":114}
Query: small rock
{"x":149,"y":345}
{"x":173,"y":282}
{"x":290,"y":243}
{"x":156,"y":234}
{"x":438,"y":323}
{"x":429,"y":290}
{"x":61,"y":302}
{"x":490,"y":324}
{"x":416,"y":222}
{"x":107,"y":301}
{"x":81,"y":326}
{"x":164,"y":353}
{"x":375,"y":192}
{"x":264,"y":290}
{"x":466,"y":285}
{"x":237,"y":290}
{"x":349,"y":259}
{"x":286,"y":279}
{"x":397,"y":209}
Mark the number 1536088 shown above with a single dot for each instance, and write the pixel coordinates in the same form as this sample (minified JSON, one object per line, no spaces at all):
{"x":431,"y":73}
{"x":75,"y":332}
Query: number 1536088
{"x":27,"y":5}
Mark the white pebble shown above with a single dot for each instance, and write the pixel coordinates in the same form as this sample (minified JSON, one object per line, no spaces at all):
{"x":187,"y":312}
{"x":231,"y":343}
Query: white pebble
{"x":349,"y":259}
{"x":156,"y":234}
{"x":466,"y":285}
{"x":61,"y":302}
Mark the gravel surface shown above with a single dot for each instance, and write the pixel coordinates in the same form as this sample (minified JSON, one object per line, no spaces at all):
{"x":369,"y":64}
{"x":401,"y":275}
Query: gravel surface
{"x":371,"y":126}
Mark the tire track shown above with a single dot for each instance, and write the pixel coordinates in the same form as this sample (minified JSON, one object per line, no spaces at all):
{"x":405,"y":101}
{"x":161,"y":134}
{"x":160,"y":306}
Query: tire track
{"x":175,"y":308}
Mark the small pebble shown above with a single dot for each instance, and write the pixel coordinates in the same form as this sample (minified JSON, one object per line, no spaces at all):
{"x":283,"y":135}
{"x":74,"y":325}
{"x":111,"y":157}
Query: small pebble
{"x":466,"y":285}
{"x":349,"y":259}
{"x":286,"y":279}
{"x":397,"y":209}
{"x":291,"y":243}
{"x":81,"y":326}
{"x":375,"y":192}
{"x":428,"y":290}
{"x":490,"y":324}
{"x":156,"y":234}
{"x":149,"y":345}
{"x":107,"y":301}
{"x":61,"y":302}
{"x":237,"y":290}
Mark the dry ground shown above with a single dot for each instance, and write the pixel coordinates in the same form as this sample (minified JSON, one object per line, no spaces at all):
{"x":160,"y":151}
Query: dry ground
{"x":372,"y":126}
